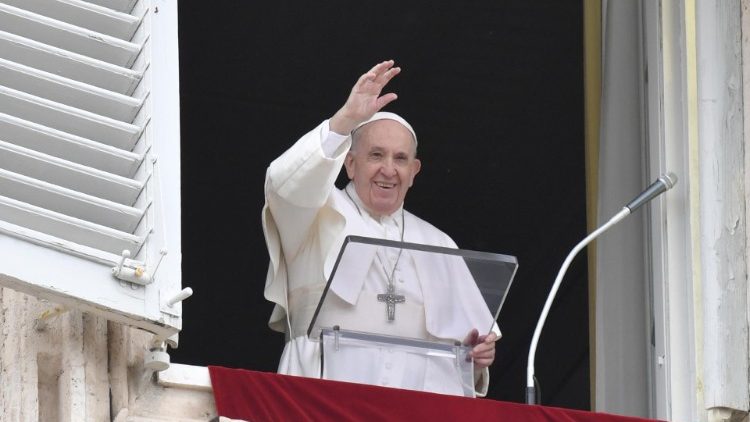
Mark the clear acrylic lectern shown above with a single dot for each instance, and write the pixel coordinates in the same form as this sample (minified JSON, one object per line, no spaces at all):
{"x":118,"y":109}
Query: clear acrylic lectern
{"x":396,"y":313}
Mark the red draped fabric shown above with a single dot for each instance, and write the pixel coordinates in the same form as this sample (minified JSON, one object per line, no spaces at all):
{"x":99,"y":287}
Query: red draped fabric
{"x":263,"y":396}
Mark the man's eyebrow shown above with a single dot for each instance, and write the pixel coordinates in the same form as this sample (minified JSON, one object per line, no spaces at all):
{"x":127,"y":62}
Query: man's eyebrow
{"x":378,"y":148}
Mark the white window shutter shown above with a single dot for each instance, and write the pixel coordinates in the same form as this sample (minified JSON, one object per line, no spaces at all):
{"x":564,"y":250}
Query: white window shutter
{"x":90,"y":156}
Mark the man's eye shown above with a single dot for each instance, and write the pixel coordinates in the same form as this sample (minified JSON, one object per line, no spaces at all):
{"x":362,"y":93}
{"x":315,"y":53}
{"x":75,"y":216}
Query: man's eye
{"x":376,"y":155}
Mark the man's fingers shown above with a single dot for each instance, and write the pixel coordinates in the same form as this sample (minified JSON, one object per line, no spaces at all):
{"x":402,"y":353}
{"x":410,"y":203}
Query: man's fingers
{"x":390,"y":73}
{"x":471,"y":338}
{"x":489,"y":338}
{"x":367,"y":77}
{"x":379,"y":75}
{"x":483,"y":358}
{"x":365,"y":99}
{"x":384,"y":100}
{"x":376,"y":71}
{"x":483,"y":347}
{"x":382,"y":67}
{"x":483,"y":351}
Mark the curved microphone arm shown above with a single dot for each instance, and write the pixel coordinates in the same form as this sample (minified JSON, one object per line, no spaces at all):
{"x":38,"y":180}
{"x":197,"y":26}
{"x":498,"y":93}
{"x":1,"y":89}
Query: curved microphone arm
{"x":661,"y":185}
{"x":530,"y":389}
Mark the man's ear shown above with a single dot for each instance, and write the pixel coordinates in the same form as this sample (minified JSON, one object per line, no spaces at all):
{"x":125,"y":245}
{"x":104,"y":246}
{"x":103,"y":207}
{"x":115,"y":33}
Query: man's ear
{"x":349,"y":164}
{"x":416,"y":166}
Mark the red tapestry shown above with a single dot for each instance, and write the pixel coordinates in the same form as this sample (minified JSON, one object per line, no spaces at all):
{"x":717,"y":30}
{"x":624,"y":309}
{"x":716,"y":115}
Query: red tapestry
{"x":261,"y":396}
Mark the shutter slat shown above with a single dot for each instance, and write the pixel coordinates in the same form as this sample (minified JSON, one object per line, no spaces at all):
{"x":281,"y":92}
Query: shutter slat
{"x":69,"y":92}
{"x":68,"y":119}
{"x":66,"y":227}
{"x":68,"y":64}
{"x":67,"y":37}
{"x":68,"y":174}
{"x":67,"y":146}
{"x":124,"y":6}
{"x":69,"y":202}
{"x":83,"y":14}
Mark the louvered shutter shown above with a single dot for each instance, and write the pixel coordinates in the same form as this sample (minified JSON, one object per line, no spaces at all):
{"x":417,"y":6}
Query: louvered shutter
{"x":89,"y":156}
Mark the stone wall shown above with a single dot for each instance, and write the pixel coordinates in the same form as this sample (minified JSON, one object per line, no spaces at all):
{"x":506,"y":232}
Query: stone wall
{"x":64,"y":365}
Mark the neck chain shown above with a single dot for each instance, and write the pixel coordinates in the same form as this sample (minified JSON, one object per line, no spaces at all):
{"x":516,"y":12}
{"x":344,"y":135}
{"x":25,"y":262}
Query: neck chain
{"x":389,"y":277}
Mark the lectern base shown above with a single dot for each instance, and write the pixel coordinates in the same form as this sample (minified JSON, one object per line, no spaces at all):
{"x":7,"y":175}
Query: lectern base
{"x":397,"y":362}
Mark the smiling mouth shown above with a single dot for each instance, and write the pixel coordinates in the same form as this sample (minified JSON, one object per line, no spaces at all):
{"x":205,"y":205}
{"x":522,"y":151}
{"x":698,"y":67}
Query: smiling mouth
{"x":385,"y":185}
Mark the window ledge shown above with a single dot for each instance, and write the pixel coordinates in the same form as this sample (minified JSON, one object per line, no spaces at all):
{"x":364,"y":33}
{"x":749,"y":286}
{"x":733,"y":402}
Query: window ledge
{"x":185,"y":376}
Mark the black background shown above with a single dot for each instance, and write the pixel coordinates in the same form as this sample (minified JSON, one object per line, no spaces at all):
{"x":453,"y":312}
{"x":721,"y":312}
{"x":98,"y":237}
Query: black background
{"x":494,"y":90}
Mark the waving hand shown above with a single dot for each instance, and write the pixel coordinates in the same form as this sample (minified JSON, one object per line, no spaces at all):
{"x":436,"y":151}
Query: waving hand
{"x":365,"y":98}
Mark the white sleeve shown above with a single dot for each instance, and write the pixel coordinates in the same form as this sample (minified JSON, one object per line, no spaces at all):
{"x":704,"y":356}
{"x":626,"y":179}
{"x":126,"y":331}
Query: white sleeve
{"x":330,"y":140}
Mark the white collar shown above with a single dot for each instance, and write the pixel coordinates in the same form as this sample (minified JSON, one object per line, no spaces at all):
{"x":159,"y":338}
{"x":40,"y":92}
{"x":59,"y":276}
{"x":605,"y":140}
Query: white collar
{"x":394,"y":216}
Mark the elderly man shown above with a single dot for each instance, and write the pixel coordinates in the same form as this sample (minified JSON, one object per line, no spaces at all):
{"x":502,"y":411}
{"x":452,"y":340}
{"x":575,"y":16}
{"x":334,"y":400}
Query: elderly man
{"x":306,"y":218}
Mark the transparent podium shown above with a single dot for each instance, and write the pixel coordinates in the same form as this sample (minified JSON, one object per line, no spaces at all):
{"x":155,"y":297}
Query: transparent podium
{"x":396,"y":313}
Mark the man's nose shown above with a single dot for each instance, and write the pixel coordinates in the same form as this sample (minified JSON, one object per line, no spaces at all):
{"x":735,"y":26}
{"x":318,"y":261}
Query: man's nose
{"x":388,"y":168}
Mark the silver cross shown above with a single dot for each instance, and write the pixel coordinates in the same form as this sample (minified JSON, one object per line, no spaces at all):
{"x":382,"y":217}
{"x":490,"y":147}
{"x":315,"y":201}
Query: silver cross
{"x":391,"y":299}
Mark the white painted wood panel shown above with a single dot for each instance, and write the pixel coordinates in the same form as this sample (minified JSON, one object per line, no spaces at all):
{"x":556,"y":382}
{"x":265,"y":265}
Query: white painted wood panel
{"x":68,"y":119}
{"x":68,"y":64}
{"x":670,"y":265}
{"x":722,"y":206}
{"x":68,"y":147}
{"x":80,"y":181}
{"x":68,"y":91}
{"x":67,"y":228}
{"x":124,"y":6}
{"x":61,"y":275}
{"x":67,"y":174}
{"x":84,"y":14}
{"x":69,"y":202}
{"x":67,"y":37}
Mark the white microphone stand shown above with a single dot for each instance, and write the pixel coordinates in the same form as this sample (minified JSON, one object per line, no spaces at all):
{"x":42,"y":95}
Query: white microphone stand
{"x":662,"y":184}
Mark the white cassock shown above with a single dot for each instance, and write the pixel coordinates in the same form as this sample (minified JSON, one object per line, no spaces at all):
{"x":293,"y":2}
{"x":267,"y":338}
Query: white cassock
{"x":305,"y":221}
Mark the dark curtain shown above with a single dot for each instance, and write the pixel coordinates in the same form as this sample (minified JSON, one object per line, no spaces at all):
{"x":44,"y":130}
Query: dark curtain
{"x":494,"y":90}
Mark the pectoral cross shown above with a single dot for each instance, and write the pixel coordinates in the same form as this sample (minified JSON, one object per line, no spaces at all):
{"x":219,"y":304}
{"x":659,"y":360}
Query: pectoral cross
{"x":391,"y":299}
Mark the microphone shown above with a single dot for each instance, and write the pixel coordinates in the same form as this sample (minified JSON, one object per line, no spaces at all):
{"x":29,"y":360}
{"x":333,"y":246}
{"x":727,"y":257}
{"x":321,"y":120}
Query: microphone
{"x":664,"y":183}
{"x":661,"y":185}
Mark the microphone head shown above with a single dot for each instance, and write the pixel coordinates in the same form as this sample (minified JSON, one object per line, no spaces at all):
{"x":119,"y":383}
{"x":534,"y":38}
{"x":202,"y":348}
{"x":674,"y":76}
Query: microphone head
{"x":664,"y":183}
{"x":669,"y":180}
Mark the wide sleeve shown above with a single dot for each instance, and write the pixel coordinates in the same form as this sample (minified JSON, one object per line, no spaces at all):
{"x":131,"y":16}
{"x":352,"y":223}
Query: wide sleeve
{"x":298,"y":184}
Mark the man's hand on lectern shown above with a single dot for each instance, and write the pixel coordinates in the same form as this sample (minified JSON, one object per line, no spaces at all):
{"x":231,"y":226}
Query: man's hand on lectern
{"x":483,"y":350}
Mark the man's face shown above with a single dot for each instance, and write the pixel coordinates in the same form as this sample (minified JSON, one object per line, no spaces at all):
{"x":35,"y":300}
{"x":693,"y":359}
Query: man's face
{"x":382,"y":165}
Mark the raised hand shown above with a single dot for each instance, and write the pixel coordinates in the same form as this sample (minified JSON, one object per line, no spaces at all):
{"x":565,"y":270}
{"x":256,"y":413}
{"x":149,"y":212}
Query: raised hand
{"x":365,"y":98}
